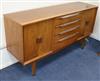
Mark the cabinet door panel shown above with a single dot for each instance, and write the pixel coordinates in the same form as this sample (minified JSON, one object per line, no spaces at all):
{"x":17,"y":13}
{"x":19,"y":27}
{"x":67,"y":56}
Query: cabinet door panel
{"x":45,"y":33}
{"x":37,"y":39}
{"x":88,"y":21}
{"x":30,"y":46}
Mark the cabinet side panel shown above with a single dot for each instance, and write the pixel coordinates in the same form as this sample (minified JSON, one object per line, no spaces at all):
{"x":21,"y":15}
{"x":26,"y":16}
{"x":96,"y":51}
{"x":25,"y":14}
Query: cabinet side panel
{"x":14,"y":38}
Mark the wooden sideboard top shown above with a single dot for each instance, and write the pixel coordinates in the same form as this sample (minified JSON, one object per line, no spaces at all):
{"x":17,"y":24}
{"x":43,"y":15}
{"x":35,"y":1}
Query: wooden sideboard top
{"x":36,"y":15}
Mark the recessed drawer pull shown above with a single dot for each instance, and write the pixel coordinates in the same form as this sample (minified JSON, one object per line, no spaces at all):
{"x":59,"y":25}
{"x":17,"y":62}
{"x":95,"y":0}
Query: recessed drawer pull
{"x":71,"y":15}
{"x":65,"y":38}
{"x":63,"y":32}
{"x":68,"y":23}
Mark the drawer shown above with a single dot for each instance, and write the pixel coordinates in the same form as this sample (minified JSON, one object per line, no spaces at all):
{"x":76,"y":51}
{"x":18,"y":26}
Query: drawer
{"x":67,"y":28}
{"x":67,"y":18}
{"x":66,"y":33}
{"x":61,"y":42}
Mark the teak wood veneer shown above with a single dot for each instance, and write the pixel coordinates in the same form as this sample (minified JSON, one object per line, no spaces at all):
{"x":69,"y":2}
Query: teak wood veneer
{"x":36,"y":33}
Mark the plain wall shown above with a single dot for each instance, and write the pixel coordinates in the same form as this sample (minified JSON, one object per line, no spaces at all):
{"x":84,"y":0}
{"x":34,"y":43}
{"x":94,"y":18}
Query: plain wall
{"x":7,"y":6}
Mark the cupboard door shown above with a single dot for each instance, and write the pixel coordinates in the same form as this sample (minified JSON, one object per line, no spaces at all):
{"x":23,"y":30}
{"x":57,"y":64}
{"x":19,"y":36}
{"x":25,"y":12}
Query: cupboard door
{"x":37,"y":39}
{"x":44,"y":36}
{"x":30,"y":45}
{"x":88,"y":21}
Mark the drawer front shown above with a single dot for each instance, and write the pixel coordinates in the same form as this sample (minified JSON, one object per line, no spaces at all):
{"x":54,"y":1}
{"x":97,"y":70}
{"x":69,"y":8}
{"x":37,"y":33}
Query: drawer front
{"x":67,"y":18}
{"x":66,"y":33}
{"x":67,"y":27}
{"x":66,"y":30}
{"x":61,"y":42}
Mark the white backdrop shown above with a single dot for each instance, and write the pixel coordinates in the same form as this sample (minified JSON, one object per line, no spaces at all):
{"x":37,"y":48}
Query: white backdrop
{"x":9,"y":6}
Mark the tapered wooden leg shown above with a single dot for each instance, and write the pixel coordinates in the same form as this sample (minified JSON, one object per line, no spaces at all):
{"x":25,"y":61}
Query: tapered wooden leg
{"x":33,"y":68}
{"x":83,"y":43}
{"x":98,"y":54}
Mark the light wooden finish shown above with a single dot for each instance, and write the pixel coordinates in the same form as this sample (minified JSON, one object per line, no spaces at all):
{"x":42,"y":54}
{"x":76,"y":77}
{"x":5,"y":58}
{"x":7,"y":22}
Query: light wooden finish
{"x":30,"y":46}
{"x":38,"y":58}
{"x":67,"y":28}
{"x":14,"y":38}
{"x":61,"y":21}
{"x":88,"y":21}
{"x":34,"y":34}
{"x":67,"y":31}
{"x":40,"y":14}
{"x":61,"y":42}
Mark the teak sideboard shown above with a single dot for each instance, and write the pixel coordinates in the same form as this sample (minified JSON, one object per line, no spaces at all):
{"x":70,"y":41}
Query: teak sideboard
{"x":36,"y":33}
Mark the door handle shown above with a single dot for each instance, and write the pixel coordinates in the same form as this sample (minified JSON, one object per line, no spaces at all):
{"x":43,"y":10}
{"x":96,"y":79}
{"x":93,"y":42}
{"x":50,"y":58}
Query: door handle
{"x":86,"y":23}
{"x":71,"y":15}
{"x":39,"y":40}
